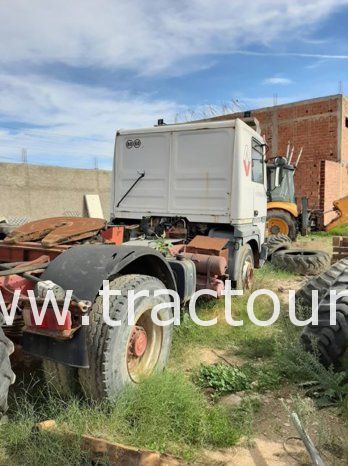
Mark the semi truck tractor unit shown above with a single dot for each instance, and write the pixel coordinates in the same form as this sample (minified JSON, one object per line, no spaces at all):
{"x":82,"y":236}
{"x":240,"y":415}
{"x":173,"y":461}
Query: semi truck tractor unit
{"x":188,"y":211}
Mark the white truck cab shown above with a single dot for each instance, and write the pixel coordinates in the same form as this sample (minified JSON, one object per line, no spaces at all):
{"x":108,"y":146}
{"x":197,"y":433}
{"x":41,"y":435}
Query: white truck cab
{"x":209,"y":176}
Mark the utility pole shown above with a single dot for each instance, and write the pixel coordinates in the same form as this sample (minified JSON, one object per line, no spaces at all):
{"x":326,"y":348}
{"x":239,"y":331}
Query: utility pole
{"x":96,"y":163}
{"x":24,"y":155}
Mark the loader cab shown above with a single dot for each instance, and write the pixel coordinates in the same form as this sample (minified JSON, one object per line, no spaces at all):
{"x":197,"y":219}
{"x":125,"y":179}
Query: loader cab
{"x":280,"y":181}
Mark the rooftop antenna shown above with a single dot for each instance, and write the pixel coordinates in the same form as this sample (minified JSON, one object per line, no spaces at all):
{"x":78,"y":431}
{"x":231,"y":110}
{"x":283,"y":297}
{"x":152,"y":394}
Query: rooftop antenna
{"x":275,"y":99}
{"x":340,"y":87}
{"x":291,"y":154}
{"x":298,"y":157}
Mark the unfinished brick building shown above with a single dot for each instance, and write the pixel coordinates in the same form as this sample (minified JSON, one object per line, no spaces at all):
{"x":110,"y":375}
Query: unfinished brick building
{"x":320,"y":126}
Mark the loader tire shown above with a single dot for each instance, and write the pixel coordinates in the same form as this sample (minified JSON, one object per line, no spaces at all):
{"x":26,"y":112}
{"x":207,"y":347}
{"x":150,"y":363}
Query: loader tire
{"x":302,"y":261}
{"x":62,"y":380}
{"x":277,"y":243}
{"x":281,"y":222}
{"x":7,"y":376}
{"x":336,"y":277}
{"x":118,"y":355}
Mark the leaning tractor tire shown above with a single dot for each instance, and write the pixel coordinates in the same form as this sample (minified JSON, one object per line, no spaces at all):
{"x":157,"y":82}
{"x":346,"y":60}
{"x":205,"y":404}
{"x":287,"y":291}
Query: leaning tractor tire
{"x":7,"y":376}
{"x":123,"y":355}
{"x":281,"y":222}
{"x":302,"y":261}
{"x":336,"y":277}
{"x":277,"y":243}
{"x":329,"y":342}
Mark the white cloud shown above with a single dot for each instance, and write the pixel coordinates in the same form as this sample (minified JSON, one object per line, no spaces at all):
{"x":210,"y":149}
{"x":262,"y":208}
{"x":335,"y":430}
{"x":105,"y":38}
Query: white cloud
{"x":277,"y":80}
{"x":147,"y":36}
{"x":72,"y":123}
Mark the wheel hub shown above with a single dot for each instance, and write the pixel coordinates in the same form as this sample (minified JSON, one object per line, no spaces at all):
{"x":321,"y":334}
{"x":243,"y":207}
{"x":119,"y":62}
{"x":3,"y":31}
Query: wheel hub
{"x":277,"y":225}
{"x":138,"y":342}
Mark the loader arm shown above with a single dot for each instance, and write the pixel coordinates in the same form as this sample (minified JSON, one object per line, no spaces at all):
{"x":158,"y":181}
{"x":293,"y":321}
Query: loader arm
{"x":341,"y":208}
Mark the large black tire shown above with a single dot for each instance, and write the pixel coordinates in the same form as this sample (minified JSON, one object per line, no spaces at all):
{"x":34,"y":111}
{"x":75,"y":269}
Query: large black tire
{"x":330,"y":342}
{"x":7,"y":376}
{"x":112,"y":365}
{"x":244,"y":268}
{"x":62,"y":380}
{"x":284,"y":223}
{"x":277,"y":243}
{"x":336,"y":277}
{"x":302,"y":261}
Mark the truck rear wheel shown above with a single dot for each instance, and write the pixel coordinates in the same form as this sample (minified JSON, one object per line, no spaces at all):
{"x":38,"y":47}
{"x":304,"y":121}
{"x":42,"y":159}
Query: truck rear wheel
{"x":62,"y":379}
{"x":122,"y":355}
{"x":281,"y":222}
{"x":7,"y":376}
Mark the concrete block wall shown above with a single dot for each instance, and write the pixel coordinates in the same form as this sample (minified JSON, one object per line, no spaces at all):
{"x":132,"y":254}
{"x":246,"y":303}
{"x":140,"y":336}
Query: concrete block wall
{"x":36,"y":191}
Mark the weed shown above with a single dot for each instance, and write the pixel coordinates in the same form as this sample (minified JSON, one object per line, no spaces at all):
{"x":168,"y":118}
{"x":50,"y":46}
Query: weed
{"x":225,"y":378}
{"x":165,"y":412}
{"x":327,"y":385}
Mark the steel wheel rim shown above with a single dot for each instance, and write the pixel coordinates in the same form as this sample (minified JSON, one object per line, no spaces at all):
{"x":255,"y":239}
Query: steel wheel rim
{"x":247,"y":273}
{"x":140,"y":366}
{"x":277,"y":226}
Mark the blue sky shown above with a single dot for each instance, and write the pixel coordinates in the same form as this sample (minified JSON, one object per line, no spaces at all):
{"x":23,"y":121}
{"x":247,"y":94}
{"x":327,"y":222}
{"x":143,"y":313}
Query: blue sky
{"x":71,"y":73}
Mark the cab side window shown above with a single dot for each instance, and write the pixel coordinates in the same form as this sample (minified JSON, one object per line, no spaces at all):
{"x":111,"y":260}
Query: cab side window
{"x":257,"y":165}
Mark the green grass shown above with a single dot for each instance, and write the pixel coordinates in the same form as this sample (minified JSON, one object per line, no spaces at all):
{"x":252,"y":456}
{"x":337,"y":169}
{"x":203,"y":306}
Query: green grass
{"x":342,"y":230}
{"x":169,"y":412}
{"x":166,"y":413}
{"x":248,"y":340}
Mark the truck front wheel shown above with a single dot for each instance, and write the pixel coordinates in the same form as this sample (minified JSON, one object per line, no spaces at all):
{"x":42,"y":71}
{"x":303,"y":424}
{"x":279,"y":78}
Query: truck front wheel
{"x":244,"y":268}
{"x":125,"y":354}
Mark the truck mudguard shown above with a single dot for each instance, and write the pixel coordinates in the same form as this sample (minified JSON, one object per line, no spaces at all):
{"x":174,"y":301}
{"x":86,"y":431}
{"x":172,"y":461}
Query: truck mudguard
{"x":83,"y":269}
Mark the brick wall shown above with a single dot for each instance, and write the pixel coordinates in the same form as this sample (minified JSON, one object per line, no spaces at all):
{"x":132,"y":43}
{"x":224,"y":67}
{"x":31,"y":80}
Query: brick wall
{"x":317,"y":126}
{"x":333,"y":185}
{"x":344,"y":147}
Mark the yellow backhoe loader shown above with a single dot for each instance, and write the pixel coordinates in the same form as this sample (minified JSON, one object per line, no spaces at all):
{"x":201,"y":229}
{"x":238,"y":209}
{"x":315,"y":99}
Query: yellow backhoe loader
{"x":283,"y":215}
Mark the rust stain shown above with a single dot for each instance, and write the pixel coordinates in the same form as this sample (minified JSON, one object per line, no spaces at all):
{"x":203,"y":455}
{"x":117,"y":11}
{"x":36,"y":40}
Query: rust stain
{"x":56,"y":230}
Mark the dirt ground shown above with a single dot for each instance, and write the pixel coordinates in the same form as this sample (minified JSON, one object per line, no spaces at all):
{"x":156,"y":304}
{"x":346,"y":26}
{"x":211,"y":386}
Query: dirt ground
{"x":275,"y":440}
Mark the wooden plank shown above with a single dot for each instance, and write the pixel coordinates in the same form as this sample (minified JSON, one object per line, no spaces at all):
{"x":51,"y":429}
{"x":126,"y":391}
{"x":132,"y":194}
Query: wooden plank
{"x":343,"y":249}
{"x":336,"y":240}
{"x":117,"y":454}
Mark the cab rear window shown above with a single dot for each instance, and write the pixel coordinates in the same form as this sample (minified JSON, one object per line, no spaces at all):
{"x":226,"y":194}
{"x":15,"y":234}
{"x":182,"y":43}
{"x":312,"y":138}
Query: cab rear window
{"x":257,"y":165}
